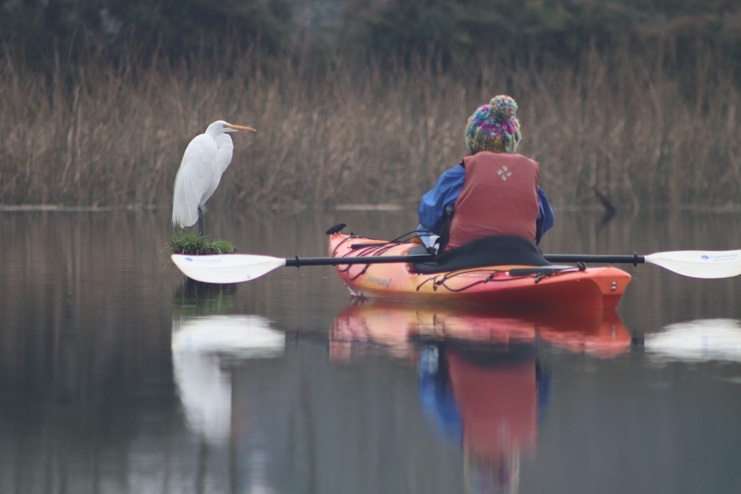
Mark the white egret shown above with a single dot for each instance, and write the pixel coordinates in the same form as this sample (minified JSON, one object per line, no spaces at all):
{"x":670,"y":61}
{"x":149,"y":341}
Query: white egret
{"x":206,"y":158}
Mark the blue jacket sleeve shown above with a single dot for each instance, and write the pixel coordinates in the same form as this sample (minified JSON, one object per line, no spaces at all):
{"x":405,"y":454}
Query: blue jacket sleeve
{"x":546,"y":217}
{"x":446,"y":191}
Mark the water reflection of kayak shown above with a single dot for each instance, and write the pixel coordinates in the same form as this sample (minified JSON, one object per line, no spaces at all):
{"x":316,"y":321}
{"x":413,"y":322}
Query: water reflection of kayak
{"x":395,"y":325}
{"x":593,"y":288}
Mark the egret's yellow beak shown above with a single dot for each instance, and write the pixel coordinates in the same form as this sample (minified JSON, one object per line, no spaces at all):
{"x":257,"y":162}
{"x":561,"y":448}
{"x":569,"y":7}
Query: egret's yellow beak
{"x":240,"y":127}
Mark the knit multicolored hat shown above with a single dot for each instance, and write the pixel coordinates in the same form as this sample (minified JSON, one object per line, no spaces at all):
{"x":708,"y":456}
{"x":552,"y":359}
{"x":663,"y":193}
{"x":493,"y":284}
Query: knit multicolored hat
{"x":494,"y":127}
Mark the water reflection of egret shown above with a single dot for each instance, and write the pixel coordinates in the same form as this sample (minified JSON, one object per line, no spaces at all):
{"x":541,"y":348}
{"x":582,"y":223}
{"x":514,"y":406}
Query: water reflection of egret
{"x":198,"y":346}
{"x":700,"y":340}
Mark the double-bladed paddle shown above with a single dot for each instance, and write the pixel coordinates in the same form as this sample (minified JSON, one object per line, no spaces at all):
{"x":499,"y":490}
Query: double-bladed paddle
{"x":238,"y":268}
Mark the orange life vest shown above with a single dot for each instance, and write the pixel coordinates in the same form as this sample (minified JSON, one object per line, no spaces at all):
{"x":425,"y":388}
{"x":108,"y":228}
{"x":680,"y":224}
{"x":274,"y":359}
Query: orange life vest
{"x":499,"y":197}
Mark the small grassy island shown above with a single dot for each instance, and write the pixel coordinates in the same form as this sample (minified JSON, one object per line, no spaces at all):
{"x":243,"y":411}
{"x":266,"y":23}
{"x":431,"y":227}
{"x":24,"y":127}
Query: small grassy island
{"x":191,"y":244}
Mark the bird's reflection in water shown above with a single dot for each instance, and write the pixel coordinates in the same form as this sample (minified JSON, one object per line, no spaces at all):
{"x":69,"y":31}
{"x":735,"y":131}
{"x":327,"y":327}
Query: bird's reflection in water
{"x":205,"y":347}
{"x":480,"y":380}
{"x":199,"y":346}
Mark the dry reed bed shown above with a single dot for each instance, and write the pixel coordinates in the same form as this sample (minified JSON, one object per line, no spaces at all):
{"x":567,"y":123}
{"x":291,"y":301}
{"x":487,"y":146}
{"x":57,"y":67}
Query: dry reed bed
{"x":110,"y":137}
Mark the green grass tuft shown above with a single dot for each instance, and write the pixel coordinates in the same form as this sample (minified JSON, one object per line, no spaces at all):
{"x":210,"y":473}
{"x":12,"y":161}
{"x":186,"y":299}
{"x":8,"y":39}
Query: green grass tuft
{"x":191,"y":244}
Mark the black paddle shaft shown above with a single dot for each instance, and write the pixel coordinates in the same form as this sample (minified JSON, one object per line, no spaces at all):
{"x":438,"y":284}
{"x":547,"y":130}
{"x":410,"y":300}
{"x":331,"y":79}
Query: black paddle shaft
{"x":634,"y":259}
{"x":336,"y":261}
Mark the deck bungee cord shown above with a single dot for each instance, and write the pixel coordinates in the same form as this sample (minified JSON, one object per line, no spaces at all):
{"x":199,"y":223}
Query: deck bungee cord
{"x":538,"y":274}
{"x":370,"y":250}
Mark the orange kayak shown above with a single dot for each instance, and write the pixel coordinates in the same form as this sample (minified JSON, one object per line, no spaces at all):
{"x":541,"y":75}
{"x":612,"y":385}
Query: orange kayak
{"x":588,"y":288}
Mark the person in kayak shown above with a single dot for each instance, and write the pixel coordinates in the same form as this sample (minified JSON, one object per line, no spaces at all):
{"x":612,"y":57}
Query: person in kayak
{"x":493,"y":191}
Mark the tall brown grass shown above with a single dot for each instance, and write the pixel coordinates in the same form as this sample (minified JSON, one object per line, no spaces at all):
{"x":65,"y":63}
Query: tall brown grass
{"x":106,"y":135}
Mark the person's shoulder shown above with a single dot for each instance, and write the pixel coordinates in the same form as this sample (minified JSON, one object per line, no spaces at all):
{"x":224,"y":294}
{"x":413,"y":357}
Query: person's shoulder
{"x":499,"y":157}
{"x":459,"y":169}
{"x":521,"y":157}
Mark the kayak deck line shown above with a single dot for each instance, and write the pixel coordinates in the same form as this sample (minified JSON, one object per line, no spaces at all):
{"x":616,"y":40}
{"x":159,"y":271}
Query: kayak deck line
{"x":501,"y":275}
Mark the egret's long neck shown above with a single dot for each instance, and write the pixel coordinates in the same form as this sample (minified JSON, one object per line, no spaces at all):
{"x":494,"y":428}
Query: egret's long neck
{"x":224,"y":154}
{"x":213,"y":131}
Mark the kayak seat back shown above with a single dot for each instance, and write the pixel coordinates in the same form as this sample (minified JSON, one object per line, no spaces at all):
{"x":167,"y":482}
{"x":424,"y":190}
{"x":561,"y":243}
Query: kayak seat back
{"x":483,"y":252}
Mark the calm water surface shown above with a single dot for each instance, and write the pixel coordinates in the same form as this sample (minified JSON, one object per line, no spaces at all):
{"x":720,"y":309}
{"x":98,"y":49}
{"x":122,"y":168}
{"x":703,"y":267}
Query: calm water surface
{"x":117,"y":376}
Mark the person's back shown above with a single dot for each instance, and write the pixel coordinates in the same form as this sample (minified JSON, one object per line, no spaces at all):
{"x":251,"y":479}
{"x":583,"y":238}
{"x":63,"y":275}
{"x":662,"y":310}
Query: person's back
{"x":499,"y":197}
{"x":493,"y":191}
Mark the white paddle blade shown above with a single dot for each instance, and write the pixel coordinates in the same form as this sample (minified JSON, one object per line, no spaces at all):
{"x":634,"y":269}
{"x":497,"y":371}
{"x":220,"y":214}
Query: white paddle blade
{"x":699,"y":264}
{"x":226,"y":268}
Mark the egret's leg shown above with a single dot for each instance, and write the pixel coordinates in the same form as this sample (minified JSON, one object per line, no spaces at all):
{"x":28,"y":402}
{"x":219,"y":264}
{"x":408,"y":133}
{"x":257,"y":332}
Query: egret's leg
{"x":200,"y":222}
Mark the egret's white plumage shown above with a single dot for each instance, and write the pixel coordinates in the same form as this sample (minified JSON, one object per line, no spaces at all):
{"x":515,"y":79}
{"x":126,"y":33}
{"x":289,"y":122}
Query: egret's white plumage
{"x":206,"y":158}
